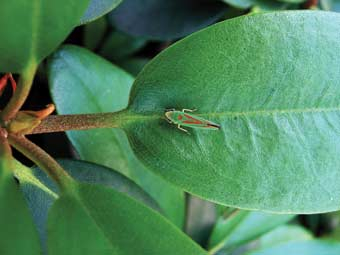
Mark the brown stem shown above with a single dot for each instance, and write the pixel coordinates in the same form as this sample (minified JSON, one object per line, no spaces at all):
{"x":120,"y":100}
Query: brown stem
{"x":59,"y":123}
{"x":20,"y":95}
{"x":310,"y":3}
{"x":41,"y":159}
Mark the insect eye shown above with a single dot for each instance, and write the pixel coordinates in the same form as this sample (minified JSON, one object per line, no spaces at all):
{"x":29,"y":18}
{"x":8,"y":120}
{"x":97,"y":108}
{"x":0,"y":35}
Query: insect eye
{"x":180,"y":117}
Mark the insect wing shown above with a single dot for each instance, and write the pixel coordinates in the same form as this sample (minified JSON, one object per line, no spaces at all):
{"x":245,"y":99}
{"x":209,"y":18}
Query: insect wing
{"x":196,"y":122}
{"x":191,"y":120}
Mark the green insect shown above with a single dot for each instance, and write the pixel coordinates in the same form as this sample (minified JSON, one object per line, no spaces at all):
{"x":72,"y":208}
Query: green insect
{"x":181,"y":118}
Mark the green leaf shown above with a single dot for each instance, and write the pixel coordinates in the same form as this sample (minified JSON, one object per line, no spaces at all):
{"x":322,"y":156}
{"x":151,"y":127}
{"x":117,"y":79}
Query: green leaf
{"x":96,"y":174}
{"x":277,"y":103}
{"x":243,"y":4}
{"x":302,"y":248}
{"x":133,"y":65}
{"x":283,"y":234}
{"x":119,"y":45}
{"x":40,"y":191}
{"x":330,"y":5}
{"x":333,"y":219}
{"x":95,"y":220}
{"x":165,"y":20}
{"x":38,"y":195}
{"x":31,"y":30}
{"x":326,"y":5}
{"x":269,"y":5}
{"x":277,"y":236}
{"x":94,"y":33}
{"x":243,"y":226}
{"x":18,"y":234}
{"x":77,"y":76}
{"x":292,"y":1}
{"x":98,"y":8}
{"x":263,"y":5}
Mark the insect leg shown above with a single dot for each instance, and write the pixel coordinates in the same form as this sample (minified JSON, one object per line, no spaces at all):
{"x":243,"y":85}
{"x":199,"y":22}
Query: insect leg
{"x":179,"y":127}
{"x":189,"y":110}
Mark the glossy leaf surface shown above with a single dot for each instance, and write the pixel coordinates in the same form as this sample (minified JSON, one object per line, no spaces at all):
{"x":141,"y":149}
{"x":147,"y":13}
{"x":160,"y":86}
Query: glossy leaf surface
{"x":133,"y":65}
{"x":269,"y":5}
{"x":94,"y":33}
{"x":301,"y":248}
{"x":98,"y":8}
{"x":101,"y":221}
{"x":17,"y":233}
{"x":283,"y":234}
{"x":277,"y":103}
{"x":40,"y":191}
{"x":119,"y":45}
{"x":330,"y":5}
{"x":31,"y":30}
{"x":39,"y":196}
{"x":165,"y":20}
{"x":292,"y":1}
{"x":240,"y":3}
{"x":243,"y":226}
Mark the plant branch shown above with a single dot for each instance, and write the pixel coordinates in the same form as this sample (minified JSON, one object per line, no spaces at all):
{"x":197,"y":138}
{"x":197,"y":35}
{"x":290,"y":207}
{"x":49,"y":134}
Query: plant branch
{"x":41,"y":159}
{"x":59,"y":123}
{"x":20,"y":95}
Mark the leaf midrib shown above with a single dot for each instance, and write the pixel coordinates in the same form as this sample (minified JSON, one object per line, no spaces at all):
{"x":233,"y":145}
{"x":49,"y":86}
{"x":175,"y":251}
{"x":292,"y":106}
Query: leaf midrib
{"x":133,"y":116}
{"x":36,"y":11}
{"x":272,"y":112}
{"x":87,"y":211}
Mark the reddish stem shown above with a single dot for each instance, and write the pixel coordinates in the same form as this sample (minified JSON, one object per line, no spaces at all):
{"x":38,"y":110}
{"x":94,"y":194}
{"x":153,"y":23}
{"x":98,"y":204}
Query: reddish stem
{"x":3,"y":82}
{"x":20,"y":95}
{"x":60,"y":123}
{"x":310,"y":3}
{"x":41,"y":159}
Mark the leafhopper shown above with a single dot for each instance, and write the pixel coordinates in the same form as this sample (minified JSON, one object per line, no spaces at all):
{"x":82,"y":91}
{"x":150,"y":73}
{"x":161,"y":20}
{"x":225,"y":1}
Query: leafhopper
{"x":185,"y":119}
